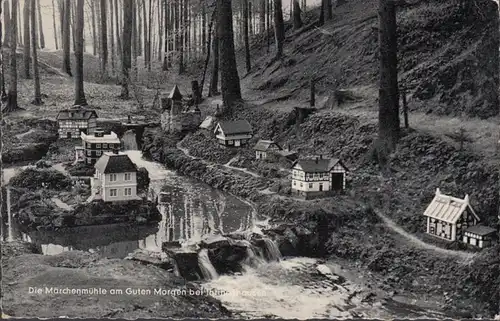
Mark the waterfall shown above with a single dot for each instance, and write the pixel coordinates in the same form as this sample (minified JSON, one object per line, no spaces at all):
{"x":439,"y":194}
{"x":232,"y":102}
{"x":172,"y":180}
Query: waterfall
{"x":253,"y":259}
{"x":206,"y":267}
{"x":273,"y":252}
{"x":129,"y":141}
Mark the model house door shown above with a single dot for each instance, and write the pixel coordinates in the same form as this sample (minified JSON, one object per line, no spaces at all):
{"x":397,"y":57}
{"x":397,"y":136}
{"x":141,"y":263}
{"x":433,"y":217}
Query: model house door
{"x":321,"y":187}
{"x":337,"y":181}
{"x":68,"y":135}
{"x":237,"y":143}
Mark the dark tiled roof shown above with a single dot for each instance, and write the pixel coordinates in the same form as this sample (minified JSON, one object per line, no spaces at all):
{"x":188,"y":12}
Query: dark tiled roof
{"x":320,"y":165}
{"x":175,"y":93}
{"x":115,"y":163}
{"x":263,"y":145}
{"x":76,"y":114}
{"x":480,"y":230}
{"x":236,"y":127}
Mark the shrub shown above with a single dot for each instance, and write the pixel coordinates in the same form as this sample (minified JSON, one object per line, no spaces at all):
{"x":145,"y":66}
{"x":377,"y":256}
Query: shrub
{"x":36,"y":179}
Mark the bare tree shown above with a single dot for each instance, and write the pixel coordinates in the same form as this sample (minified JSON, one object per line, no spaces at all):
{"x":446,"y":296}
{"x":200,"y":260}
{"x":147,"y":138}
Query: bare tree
{"x":150,"y":22}
{"x":127,"y":39}
{"x":230,"y":81}
{"x":118,"y":37}
{"x":6,"y":19}
{"x":297,"y":21}
{"x":214,"y":81}
{"x":36,"y":75}
{"x":388,"y":118}
{"x":104,"y":39}
{"x":139,"y":26}
{"x":94,"y":35}
{"x":112,"y":36}
{"x":66,"y":36}
{"x":208,"y":51}
{"x":12,"y":95}
{"x":26,"y":45}
{"x":19,"y":22}
{"x":182,"y":3}
{"x":135,"y":46}
{"x":279,"y":28}
{"x":2,"y":69}
{"x":40,"y":25}
{"x":329,"y":10}
{"x":166,"y":25}
{"x":246,"y":35}
{"x":79,"y":90}
{"x":54,"y":25}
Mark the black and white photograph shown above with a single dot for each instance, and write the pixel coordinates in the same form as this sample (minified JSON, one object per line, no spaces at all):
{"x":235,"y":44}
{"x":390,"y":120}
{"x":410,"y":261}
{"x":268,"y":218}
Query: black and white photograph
{"x":250,"y":159}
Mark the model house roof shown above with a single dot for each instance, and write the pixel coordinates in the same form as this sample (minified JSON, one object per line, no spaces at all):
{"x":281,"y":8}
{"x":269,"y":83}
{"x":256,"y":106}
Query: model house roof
{"x":235,"y":127}
{"x":263,"y":145}
{"x":208,"y":123}
{"x":175,"y":93}
{"x":76,"y":113}
{"x":317,"y":165}
{"x":480,"y":230}
{"x":447,"y":208}
{"x":110,"y":138}
{"x":115,"y":163}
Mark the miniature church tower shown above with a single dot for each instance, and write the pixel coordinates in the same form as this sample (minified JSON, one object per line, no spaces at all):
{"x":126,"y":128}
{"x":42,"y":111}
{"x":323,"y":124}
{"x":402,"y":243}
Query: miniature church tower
{"x":175,"y":100}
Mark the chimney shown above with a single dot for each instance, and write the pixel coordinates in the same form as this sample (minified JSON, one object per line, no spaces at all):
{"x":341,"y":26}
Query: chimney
{"x":316,"y":159}
{"x":129,"y":119}
{"x":320,"y":156}
{"x":288,"y":147}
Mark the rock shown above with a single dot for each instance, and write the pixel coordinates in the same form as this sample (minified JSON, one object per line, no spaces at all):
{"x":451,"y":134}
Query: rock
{"x":187,"y":263}
{"x":162,"y":260}
{"x":214,"y":241}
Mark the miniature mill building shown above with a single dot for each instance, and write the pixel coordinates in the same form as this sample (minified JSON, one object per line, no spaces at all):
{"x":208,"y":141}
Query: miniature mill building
{"x":76,"y":120}
{"x":233,"y":133}
{"x":94,"y":146}
{"x":175,"y":116}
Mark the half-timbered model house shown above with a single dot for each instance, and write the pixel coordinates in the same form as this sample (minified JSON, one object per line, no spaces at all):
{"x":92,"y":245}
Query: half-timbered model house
{"x":318,"y":177}
{"x":94,"y":146}
{"x":76,"y":120}
{"x":233,"y":133}
{"x":454,"y":219}
{"x":115,"y":178}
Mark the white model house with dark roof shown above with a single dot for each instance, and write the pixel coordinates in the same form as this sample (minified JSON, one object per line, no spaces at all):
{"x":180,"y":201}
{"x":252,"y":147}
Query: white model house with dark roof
{"x":233,"y":133}
{"x":115,"y":178}
{"x":269,"y":149}
{"x":318,"y":177}
{"x":454,"y":219}
{"x":75,"y":120}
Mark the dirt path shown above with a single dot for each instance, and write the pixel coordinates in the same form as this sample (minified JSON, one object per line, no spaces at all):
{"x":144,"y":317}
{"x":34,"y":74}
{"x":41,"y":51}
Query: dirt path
{"x":412,"y":239}
{"x":244,"y":170}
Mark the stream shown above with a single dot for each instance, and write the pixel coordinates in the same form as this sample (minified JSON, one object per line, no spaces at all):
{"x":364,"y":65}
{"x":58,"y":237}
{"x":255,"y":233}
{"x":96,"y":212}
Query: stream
{"x":280,"y":287}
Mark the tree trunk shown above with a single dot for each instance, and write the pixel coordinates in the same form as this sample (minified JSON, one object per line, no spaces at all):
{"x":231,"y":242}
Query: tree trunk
{"x":36,"y":76}
{"x":66,"y":37}
{"x":3,"y":94}
{"x":79,"y":24}
{"x":208,"y":52}
{"x":214,"y":82}
{"x":26,"y":47}
{"x":245,"y":31}
{"x":186,"y":30}
{"x":388,"y":118}
{"x":40,"y":25}
{"x":139,"y":26}
{"x":118,"y":36}
{"x":19,"y":22}
{"x":145,"y":48}
{"x":250,"y":18}
{"x":150,"y":22}
{"x":166,"y":25}
{"x":297,"y":20}
{"x":54,"y":25}
{"x":6,"y":18}
{"x":104,"y":39}
{"x":268,"y":25}
{"x":181,"y":37}
{"x":112,"y":36}
{"x":262,"y":16}
{"x":94,"y":35}
{"x":204,"y":29}
{"x":321,"y":20}
{"x":135,"y":45}
{"x":73,"y":23}
{"x":127,"y":39}
{"x":12,"y":95}
{"x":161,"y":10}
{"x":329,"y":9}
{"x":340,"y":2}
{"x":230,"y":81}
{"x":279,"y":28}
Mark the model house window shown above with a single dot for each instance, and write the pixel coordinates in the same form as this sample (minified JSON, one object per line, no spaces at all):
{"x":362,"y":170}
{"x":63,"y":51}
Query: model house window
{"x":104,"y":145}
{"x":300,"y":184}
{"x":128,"y":176}
{"x":98,"y":153}
{"x":88,"y":153}
{"x":98,"y":146}
{"x":112,"y":192}
{"x":112,"y":177}
{"x":88,"y":145}
{"x":310,"y":185}
{"x":230,"y":142}
{"x":294,"y":183}
{"x":128,"y":191}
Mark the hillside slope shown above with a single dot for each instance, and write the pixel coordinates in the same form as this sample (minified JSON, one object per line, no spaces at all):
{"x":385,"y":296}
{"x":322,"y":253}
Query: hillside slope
{"x":448,"y":58}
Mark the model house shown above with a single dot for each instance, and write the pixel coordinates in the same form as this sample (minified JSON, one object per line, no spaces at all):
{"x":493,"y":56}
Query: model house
{"x":233,"y":133}
{"x":453,"y":219}
{"x":318,"y":177}
{"x":94,"y":146}
{"x":207,"y":126}
{"x":176,"y":117}
{"x":115,"y":178}
{"x":76,"y":120}
{"x":270,"y":150}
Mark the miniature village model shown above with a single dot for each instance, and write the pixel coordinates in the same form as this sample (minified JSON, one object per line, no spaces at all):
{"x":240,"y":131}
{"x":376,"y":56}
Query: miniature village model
{"x":76,"y":120}
{"x":454,"y":219}
{"x":176,"y":116}
{"x":115,"y":178}
{"x":318,"y":177}
{"x":233,"y":133}
{"x":270,"y":150}
{"x":94,"y":146}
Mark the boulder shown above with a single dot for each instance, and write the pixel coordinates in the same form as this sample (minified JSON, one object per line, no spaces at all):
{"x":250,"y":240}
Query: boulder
{"x":228,"y":257}
{"x":161,"y":260}
{"x":214,"y":241}
{"x":186,"y":261}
